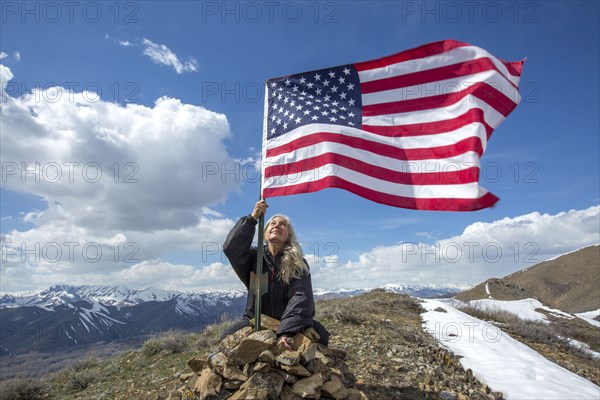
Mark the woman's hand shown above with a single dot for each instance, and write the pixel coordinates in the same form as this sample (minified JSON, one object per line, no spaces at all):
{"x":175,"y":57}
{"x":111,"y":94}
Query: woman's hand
{"x":284,"y":343}
{"x":259,"y":208}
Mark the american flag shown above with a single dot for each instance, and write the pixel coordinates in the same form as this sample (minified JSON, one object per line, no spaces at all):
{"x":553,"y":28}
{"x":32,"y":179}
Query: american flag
{"x":407,"y":130}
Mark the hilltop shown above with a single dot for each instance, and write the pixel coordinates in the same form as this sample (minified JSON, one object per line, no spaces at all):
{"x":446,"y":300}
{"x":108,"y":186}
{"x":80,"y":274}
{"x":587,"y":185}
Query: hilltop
{"x":388,"y":353}
{"x":569,"y":282}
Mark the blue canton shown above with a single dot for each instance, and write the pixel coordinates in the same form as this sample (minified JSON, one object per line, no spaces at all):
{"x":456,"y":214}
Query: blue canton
{"x":327,"y":96}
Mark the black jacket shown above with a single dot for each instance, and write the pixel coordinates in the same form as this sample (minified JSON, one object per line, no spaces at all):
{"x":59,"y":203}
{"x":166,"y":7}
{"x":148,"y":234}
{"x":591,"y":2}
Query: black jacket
{"x":292,"y":304}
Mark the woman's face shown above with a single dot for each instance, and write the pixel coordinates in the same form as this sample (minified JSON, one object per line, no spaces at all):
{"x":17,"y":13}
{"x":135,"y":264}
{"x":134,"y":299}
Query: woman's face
{"x":277,"y":231}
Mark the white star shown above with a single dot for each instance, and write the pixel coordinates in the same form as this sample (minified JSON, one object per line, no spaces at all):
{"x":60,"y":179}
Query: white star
{"x":334,"y":111}
{"x":350,"y":123}
{"x":335,"y":103}
{"x":314,"y":118}
{"x":333,"y":119}
{"x":331,"y":74}
{"x":318,"y":92}
{"x":351,"y":114}
{"x":325,"y":82}
{"x":287,"y":82}
{"x":272,"y":130}
{"x":306,"y":112}
{"x":285,"y":100}
{"x":326,"y":98}
{"x":285,"y":125}
{"x":310,"y":85}
{"x":347,"y":71}
{"x":343,"y":108}
{"x":324,"y":113}
{"x":341,"y":80}
{"x":295,"y":88}
{"x":273,"y":118}
{"x":317,"y":77}
{"x":302,"y":80}
{"x":303,"y":93}
{"x":351,"y":102}
{"x":342,"y":117}
{"x":292,"y":103}
{"x":273,"y":84}
{"x":278,"y":121}
{"x":286,"y":112}
{"x":292,"y":116}
{"x":298,"y":120}
{"x":350,"y":86}
{"x":309,"y":102}
{"x":299,"y":107}
{"x":317,"y":108}
{"x":280,"y":109}
{"x":279,"y":96}
{"x":343,"y":95}
{"x":334,"y":89}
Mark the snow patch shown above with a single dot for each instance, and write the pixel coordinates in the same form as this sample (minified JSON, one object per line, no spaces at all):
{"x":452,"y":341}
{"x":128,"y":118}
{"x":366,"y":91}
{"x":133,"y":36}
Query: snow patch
{"x":504,"y":364}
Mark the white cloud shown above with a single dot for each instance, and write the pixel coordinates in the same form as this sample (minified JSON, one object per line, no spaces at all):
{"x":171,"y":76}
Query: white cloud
{"x":3,"y":55}
{"x":17,"y":56}
{"x":482,"y":251}
{"x":126,"y":43}
{"x":142,"y":177}
{"x":161,"y":54}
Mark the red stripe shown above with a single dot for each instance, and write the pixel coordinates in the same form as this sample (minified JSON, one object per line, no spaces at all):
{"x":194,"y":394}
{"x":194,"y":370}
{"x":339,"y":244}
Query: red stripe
{"x":482,"y":90}
{"x":426,"y":153}
{"x":462,"y":69}
{"x":438,"y":204}
{"x":450,"y":177}
{"x":474,"y":115}
{"x":427,"y":50}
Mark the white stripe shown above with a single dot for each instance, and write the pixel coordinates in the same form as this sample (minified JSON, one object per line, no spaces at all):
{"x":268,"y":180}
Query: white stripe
{"x":408,"y":142}
{"x":491,"y":116}
{"x":455,"y":56}
{"x":493,"y":78}
{"x":462,"y":191}
{"x":463,"y":161}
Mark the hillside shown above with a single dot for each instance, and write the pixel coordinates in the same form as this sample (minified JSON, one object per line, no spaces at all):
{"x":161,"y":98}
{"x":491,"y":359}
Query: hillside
{"x":570,"y":283}
{"x":388,"y":353}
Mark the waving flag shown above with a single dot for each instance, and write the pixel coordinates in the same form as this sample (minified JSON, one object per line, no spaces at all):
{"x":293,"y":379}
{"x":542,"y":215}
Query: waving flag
{"x":406,"y":130}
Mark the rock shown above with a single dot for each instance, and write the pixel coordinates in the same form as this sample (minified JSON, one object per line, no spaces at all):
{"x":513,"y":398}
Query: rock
{"x":268,"y":357}
{"x":209,"y":384}
{"x":231,"y":342}
{"x":440,"y":309}
{"x":266,"y":322}
{"x":198,"y":363}
{"x":234,"y":373}
{"x":186,"y":377}
{"x":298,"y":370}
{"x":261,"y":367}
{"x":309,"y":353}
{"x":355,"y":394}
{"x":308,"y":387}
{"x":312,"y":335}
{"x":260,"y":386}
{"x":288,"y":358}
{"x":251,"y":347}
{"x":218,"y":362}
{"x":335,"y":389}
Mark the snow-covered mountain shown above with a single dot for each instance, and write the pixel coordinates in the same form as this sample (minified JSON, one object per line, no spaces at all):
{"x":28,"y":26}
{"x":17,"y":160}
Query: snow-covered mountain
{"x":118,"y":296}
{"x":62,"y":316}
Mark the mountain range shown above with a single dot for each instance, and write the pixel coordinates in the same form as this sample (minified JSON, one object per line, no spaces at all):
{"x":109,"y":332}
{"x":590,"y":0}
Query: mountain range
{"x":64,"y":316}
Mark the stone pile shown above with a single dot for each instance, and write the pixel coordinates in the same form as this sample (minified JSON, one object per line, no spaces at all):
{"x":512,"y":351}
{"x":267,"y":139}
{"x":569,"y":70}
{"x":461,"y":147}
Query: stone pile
{"x":251,"y":365}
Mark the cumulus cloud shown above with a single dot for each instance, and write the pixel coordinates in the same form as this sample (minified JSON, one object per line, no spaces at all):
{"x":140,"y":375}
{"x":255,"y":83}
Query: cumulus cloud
{"x":161,"y":54}
{"x":482,"y":251}
{"x":131,"y":182}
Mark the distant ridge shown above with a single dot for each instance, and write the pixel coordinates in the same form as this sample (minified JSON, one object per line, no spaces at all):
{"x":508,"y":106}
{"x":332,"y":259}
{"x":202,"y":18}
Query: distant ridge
{"x":570,"y":282}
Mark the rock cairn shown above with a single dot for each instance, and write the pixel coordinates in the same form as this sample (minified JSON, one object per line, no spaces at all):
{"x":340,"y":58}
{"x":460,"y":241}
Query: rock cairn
{"x":251,"y":365}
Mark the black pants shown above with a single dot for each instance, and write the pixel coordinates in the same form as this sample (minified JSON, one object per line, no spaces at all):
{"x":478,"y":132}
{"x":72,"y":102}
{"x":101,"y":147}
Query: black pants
{"x":237,"y":325}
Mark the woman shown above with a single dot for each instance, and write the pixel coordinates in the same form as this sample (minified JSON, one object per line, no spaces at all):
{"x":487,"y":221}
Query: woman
{"x":288,"y":296}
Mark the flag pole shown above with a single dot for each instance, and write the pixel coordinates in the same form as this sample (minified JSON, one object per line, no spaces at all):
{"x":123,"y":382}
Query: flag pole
{"x":261,"y":224}
{"x":259,"y":268}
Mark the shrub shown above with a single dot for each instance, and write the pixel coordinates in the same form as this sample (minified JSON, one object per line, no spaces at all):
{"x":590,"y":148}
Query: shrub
{"x":170,"y":342}
{"x":21,"y":388}
{"x":80,"y":380}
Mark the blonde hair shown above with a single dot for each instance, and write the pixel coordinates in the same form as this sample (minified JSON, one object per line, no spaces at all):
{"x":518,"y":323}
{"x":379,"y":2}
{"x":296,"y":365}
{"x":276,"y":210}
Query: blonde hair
{"x":292,"y":260}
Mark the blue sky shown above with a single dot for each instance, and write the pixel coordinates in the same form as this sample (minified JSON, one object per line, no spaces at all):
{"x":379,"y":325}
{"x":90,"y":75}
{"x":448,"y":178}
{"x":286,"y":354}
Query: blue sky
{"x":169,"y":95}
